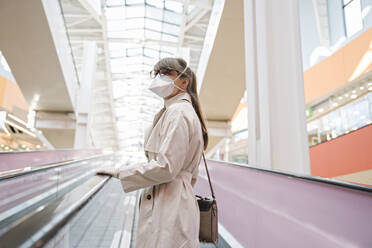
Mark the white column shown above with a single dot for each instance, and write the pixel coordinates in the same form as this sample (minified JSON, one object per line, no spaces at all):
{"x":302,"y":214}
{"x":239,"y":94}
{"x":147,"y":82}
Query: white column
{"x":82,"y":133}
{"x":275,"y":88}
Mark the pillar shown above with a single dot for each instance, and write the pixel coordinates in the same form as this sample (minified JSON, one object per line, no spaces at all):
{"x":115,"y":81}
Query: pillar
{"x":277,"y":137}
{"x":82,"y":130}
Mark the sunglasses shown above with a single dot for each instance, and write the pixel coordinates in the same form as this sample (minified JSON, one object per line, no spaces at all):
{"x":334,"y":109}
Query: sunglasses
{"x":162,"y":71}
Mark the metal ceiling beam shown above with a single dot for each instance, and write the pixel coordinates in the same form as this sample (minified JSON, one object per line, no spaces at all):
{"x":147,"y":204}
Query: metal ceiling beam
{"x":183,"y":23}
{"x":207,"y":4}
{"x":143,"y":42}
{"x":194,"y":37}
{"x":108,"y":69}
{"x":196,"y":19}
{"x":85,"y":23}
{"x":91,"y":10}
{"x":80,"y":39}
{"x":85,"y":30}
{"x":80,"y":21}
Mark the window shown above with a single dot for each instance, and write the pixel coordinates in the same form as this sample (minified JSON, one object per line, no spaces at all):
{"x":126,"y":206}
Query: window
{"x":353,"y":16}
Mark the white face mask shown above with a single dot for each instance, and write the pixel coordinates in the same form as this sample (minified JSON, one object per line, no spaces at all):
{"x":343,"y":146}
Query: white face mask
{"x":163,"y":85}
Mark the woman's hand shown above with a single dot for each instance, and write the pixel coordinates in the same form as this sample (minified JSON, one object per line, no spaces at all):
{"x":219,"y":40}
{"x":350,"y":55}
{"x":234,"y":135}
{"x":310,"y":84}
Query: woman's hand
{"x":108,"y":171}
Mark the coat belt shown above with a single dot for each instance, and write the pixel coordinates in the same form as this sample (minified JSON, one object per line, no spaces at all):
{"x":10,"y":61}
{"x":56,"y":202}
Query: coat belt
{"x":185,"y":174}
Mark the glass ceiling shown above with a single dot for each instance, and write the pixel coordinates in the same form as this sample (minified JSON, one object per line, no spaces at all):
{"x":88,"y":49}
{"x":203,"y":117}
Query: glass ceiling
{"x":140,"y":32}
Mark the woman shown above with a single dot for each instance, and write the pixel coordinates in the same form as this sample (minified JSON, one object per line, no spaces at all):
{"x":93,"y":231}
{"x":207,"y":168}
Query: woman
{"x":168,"y":209}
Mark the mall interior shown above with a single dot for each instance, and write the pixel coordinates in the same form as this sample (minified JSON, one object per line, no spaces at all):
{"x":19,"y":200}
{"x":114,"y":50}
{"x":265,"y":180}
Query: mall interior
{"x":285,"y":88}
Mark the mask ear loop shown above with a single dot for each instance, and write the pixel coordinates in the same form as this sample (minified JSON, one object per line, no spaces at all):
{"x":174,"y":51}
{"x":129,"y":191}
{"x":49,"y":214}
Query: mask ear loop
{"x":178,"y":77}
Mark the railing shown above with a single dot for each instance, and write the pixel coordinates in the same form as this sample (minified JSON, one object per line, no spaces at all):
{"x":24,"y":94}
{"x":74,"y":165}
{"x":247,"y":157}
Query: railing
{"x":37,"y":206}
{"x":13,"y":161}
{"x":37,"y":228}
{"x":262,"y":208}
{"x":23,"y":192}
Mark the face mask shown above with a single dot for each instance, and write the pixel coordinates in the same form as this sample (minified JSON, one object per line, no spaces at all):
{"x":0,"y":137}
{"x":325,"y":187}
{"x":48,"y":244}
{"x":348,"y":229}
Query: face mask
{"x":163,"y":85}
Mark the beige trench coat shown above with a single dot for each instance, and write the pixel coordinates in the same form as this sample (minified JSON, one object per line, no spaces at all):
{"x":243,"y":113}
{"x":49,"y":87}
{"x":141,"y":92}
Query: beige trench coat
{"x":168,"y":210}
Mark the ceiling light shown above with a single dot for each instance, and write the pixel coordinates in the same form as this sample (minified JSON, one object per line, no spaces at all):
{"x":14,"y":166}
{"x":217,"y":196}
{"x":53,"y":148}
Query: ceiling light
{"x":370,"y":88}
{"x":335,"y":104}
{"x":340,"y":98}
{"x":353,"y":91}
{"x":320,"y":110}
{"x":361,"y":88}
{"x":346,"y":95}
{"x":353,"y":96}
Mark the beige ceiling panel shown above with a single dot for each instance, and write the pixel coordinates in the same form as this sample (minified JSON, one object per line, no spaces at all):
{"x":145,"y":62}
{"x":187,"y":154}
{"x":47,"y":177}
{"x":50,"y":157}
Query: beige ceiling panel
{"x":224,"y":81}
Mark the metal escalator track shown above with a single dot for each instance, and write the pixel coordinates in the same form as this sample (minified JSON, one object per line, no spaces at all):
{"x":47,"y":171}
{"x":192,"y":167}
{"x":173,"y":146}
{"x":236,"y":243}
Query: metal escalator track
{"x":40,"y":205}
{"x":25,"y":191}
{"x":89,"y":216}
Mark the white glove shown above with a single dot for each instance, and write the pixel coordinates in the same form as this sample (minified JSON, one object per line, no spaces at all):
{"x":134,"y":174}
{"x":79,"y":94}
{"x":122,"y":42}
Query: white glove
{"x":108,"y":171}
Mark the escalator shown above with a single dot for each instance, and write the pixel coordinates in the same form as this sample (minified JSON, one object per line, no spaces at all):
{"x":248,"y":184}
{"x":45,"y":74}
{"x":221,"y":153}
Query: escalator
{"x":63,"y":204}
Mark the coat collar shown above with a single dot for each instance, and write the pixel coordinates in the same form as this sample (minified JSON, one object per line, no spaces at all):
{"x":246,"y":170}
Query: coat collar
{"x":176,"y":98}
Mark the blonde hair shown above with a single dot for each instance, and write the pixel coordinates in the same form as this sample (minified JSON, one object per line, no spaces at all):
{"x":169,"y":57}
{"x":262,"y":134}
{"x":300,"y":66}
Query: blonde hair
{"x":179,"y":65}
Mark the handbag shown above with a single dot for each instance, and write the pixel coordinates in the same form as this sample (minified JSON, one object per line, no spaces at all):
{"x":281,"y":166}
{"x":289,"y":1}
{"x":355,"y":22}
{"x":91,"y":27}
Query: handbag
{"x":208,"y":231}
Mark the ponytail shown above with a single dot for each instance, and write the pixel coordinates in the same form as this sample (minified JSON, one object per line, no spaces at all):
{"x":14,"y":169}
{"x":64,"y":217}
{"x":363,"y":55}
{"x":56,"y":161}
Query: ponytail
{"x":192,"y":90}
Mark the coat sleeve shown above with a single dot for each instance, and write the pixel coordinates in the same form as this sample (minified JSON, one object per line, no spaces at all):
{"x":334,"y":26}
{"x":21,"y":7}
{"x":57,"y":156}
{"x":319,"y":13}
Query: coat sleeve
{"x":170,"y":159}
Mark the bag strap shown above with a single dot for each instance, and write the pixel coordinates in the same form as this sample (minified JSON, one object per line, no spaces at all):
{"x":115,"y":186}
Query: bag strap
{"x":206,"y":167}
{"x":209,"y":178}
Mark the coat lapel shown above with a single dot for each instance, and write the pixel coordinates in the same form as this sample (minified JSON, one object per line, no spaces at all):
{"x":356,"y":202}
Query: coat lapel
{"x":152,"y":139}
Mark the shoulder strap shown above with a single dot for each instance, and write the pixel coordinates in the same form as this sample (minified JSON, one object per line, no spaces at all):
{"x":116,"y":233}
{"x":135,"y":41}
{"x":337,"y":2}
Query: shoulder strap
{"x":209,"y":179}
{"x":206,"y":168}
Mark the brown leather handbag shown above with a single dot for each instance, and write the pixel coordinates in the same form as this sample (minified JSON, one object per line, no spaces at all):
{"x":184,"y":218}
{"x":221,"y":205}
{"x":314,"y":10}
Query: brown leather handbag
{"x":208,"y":215}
